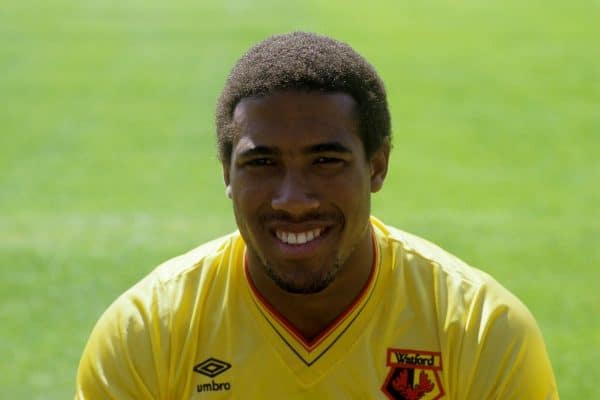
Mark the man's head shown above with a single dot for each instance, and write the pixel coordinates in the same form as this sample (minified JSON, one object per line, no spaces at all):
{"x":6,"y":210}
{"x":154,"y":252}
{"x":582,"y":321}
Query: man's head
{"x":306,"y":62}
{"x":303,"y":127}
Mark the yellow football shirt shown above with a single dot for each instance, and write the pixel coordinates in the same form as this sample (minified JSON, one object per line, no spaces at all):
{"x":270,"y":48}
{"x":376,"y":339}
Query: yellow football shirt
{"x":425,"y":326}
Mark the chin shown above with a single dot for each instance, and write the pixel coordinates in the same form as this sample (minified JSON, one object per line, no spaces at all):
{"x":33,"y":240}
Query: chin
{"x":305,"y":285}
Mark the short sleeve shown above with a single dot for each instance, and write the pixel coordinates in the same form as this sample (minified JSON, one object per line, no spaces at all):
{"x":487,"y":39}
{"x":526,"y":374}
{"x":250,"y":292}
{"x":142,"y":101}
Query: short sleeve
{"x":500,"y":353}
{"x":123,"y":357}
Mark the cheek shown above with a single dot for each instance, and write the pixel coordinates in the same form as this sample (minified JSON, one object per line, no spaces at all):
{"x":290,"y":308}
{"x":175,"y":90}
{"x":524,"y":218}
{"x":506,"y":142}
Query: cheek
{"x":247,"y":199}
{"x":354,"y":200}
{"x":248,"y":203}
{"x":250,"y":186}
{"x":349,"y":191}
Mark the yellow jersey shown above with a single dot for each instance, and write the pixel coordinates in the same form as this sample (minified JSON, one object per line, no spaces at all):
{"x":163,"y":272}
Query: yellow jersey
{"x":425,"y":326}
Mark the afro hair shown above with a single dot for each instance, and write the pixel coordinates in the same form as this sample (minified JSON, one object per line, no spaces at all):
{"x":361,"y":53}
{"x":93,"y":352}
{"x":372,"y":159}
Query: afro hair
{"x":308,"y":62}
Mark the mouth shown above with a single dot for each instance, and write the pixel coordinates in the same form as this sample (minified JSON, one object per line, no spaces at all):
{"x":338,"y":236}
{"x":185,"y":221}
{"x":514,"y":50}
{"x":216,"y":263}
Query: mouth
{"x":298,"y":238}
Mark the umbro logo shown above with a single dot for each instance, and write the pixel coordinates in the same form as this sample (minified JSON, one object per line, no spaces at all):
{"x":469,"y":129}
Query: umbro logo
{"x":212,"y":367}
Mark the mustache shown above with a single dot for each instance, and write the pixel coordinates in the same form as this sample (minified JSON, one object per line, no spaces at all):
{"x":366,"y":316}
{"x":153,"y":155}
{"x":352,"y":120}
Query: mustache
{"x":313,"y":216}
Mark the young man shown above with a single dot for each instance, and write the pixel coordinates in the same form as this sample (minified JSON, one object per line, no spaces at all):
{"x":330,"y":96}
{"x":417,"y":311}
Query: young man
{"x":313,"y":298}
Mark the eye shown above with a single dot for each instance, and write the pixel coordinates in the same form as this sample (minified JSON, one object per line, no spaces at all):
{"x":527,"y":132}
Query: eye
{"x":260,"y":162}
{"x":323,"y":160}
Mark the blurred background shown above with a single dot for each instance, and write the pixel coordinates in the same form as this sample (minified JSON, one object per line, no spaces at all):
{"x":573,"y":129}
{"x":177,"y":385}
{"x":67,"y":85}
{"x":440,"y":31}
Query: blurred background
{"x":108,"y":164}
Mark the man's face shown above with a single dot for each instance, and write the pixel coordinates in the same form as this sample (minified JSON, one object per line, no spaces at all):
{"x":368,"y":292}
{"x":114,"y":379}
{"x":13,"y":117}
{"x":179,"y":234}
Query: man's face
{"x":301,"y":185}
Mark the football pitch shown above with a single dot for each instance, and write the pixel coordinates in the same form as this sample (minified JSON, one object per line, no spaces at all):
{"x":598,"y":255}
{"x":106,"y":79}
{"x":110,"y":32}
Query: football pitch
{"x":108,"y":164}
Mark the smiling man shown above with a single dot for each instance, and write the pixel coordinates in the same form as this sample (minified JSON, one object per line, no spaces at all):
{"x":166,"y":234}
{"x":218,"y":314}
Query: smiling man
{"x":300,"y":181}
{"x":312,"y":298}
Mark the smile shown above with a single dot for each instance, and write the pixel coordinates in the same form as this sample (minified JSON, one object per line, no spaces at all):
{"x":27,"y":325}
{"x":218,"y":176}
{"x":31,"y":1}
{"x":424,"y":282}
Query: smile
{"x":298,"y":237}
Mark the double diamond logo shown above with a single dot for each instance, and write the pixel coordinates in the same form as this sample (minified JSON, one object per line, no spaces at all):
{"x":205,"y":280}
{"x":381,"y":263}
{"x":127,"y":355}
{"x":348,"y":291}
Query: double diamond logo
{"x":212,"y":367}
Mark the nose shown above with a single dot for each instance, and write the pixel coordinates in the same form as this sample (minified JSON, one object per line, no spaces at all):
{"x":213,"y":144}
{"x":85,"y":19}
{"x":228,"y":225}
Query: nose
{"x":294,"y":195}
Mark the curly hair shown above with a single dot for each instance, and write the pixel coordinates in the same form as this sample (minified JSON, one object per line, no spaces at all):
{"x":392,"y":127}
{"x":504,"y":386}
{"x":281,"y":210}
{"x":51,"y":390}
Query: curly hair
{"x":305,"y":61}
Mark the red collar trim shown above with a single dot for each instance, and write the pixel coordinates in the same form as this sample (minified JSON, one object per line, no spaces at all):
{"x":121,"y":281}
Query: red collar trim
{"x":310,"y":345}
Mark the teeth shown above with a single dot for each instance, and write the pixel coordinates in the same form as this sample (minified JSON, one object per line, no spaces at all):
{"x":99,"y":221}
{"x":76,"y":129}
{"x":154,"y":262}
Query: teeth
{"x":301,"y":238}
{"x":298,"y":238}
{"x":292,"y":239}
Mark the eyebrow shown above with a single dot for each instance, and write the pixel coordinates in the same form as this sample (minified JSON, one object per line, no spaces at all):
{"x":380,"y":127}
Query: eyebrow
{"x":259,"y":151}
{"x":327,"y":147}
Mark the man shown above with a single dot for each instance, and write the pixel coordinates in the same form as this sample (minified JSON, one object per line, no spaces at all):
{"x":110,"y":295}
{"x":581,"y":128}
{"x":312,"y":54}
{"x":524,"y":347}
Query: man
{"x":312,"y":298}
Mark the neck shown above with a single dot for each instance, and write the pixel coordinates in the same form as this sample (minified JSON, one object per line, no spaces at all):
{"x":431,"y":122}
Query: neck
{"x":311,"y":314}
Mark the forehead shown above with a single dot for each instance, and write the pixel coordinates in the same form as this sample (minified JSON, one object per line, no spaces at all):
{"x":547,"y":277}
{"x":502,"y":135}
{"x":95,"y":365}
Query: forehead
{"x":293,"y":118}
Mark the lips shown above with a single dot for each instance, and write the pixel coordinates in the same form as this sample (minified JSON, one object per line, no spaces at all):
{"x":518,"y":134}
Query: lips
{"x":298,"y":237}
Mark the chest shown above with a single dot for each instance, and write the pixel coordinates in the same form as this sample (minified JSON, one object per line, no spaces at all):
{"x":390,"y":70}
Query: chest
{"x":366,"y":361}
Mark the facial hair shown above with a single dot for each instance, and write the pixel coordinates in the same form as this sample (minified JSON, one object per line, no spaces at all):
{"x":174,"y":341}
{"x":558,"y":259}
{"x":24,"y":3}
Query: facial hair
{"x":314,"y":285}
{"x":296,"y":282}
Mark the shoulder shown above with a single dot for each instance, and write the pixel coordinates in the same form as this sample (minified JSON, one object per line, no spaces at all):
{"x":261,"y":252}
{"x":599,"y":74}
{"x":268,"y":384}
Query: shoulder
{"x":163,"y":290}
{"x":448,"y":283}
{"x":483,"y":330}
{"x":139,"y":331}
{"x":417,"y":253}
{"x":199,"y":259}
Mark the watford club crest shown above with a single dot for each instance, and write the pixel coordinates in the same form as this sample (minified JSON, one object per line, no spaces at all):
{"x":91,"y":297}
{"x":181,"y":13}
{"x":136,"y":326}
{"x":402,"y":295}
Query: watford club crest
{"x":414,"y":375}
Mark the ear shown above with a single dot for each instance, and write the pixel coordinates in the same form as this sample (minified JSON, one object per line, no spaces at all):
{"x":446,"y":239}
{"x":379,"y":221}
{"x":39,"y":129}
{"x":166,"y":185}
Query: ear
{"x":379,"y":165}
{"x":226,"y":179}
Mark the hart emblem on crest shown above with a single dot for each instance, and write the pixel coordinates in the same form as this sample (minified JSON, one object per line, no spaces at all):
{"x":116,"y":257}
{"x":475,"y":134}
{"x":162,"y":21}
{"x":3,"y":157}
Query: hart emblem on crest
{"x":414,"y":375}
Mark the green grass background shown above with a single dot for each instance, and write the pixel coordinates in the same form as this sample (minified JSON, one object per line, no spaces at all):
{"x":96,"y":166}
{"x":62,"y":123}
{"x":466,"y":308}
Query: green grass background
{"x":108,"y":166}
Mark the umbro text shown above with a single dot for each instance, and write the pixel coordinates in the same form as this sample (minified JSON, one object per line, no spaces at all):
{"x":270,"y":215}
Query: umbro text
{"x":213,"y":387}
